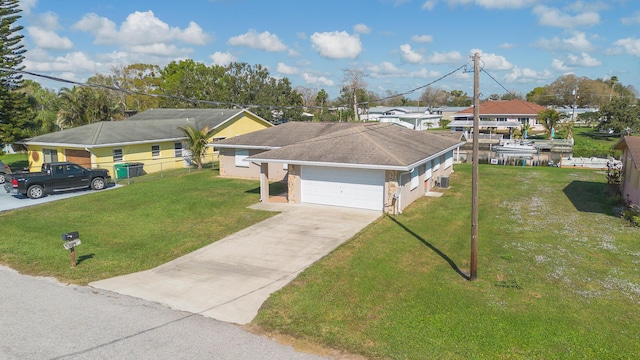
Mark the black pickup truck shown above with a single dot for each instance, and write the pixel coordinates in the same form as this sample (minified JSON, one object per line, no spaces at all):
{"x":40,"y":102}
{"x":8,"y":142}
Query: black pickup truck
{"x":54,"y":177}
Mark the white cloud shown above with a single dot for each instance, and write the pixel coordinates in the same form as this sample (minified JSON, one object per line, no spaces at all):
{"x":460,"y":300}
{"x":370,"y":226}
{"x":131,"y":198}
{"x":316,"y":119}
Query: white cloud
{"x":73,"y":62}
{"x":554,"y":17}
{"x":560,"y":66}
{"x":222,"y":58}
{"x":286,"y":69}
{"x":316,"y":80}
{"x":158,"y":49}
{"x":47,"y":39}
{"x":507,"y":46}
{"x":362,"y":29}
{"x":27,"y":5}
{"x":384,"y":69}
{"x":584,"y":60}
{"x":494,"y":4}
{"x":422,"y":38}
{"x":263,"y":41}
{"x":48,"y":21}
{"x":492,"y":61}
{"x":141,"y":30}
{"x":526,"y":75}
{"x":337,"y":45}
{"x":630,"y":45}
{"x":632,"y":20}
{"x":445,"y":58}
{"x":424,"y":73}
{"x":429,"y":5}
{"x":578,"y":42}
{"x":409,"y":55}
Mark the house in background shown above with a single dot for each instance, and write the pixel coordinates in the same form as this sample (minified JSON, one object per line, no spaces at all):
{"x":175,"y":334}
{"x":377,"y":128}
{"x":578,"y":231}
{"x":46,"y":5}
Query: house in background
{"x":412,"y":117}
{"x":376,"y":166}
{"x":151,"y":138}
{"x":500,"y":115}
{"x":448,"y":112}
{"x":630,"y":147}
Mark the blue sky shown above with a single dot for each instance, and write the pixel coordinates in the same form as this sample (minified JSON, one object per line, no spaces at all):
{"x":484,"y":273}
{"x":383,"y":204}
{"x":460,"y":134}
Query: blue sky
{"x":399,"y":45}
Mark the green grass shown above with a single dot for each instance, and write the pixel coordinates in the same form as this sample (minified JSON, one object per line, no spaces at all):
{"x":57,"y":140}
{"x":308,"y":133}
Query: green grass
{"x":128,"y":229}
{"x":558,"y":276}
{"x":16,"y":161}
{"x":589,"y":142}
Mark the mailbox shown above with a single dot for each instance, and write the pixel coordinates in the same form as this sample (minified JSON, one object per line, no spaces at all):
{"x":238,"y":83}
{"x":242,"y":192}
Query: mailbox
{"x":70,"y":236}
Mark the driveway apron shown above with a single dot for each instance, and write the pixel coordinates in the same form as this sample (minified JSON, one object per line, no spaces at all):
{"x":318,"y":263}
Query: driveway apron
{"x":230,"y":279}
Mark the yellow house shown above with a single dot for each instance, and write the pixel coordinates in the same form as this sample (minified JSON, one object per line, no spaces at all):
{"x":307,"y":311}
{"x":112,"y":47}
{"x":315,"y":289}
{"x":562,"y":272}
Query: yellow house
{"x":150,"y":139}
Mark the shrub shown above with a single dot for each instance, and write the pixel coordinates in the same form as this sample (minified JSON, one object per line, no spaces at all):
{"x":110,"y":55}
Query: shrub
{"x":632,"y":214}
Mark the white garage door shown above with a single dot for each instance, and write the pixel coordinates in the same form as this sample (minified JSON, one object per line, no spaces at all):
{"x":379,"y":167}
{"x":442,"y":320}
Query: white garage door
{"x":358,"y":188}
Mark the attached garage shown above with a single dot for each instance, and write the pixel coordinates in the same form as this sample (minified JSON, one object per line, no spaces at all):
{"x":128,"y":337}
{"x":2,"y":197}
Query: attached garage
{"x":357,"y":188}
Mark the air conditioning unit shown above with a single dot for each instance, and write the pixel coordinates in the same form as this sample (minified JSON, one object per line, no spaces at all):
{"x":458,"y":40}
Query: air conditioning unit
{"x":443,"y":182}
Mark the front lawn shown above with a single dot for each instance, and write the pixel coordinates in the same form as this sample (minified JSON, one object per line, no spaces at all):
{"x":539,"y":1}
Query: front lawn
{"x":558,"y":276}
{"x":128,"y":229}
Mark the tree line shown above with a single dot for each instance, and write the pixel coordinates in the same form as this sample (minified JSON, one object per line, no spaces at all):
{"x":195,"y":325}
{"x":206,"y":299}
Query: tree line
{"x":28,"y":109}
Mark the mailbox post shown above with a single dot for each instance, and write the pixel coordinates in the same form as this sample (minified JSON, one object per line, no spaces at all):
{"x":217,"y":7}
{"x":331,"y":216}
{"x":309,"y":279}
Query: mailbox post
{"x":71,"y":240}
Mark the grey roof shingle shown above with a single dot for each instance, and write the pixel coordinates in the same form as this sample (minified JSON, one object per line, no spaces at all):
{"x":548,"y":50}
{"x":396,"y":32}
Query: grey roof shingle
{"x":381,"y":145}
{"x":148,"y":126}
{"x":283,"y":135}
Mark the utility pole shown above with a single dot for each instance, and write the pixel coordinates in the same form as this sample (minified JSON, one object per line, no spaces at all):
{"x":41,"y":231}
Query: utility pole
{"x":575,"y":100}
{"x":473,"y":270}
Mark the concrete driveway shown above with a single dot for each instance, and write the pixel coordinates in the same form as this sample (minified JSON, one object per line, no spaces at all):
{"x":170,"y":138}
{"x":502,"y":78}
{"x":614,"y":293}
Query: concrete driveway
{"x":231,"y":278}
{"x":11,"y":202}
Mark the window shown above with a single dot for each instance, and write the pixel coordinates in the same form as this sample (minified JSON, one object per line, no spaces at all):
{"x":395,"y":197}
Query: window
{"x":523,"y":120}
{"x":427,"y":170}
{"x":635,"y":179}
{"x":448,"y":160}
{"x":242,"y":154}
{"x":501,"y":119}
{"x":117,"y":155}
{"x":414,"y":178}
{"x":50,"y":155}
{"x":436,"y":163}
{"x":73,"y":169}
{"x":155,"y":151}
{"x":177,"y":149}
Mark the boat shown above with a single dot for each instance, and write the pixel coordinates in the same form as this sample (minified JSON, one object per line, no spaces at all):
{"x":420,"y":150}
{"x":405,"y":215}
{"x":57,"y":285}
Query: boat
{"x":517,"y":147}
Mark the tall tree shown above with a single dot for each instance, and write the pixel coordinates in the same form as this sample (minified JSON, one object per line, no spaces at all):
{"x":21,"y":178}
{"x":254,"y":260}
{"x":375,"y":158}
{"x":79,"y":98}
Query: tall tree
{"x":459,"y":98}
{"x":14,"y":115}
{"x":43,"y":109}
{"x":434,"y":97}
{"x":620,"y":115}
{"x":353,"y":80}
{"x":196,"y":141}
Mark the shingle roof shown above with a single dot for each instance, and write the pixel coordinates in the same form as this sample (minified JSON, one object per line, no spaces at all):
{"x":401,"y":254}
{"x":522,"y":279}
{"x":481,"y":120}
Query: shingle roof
{"x":283,"y":135}
{"x":633,"y":143}
{"x":506,"y":107}
{"x":148,"y":126}
{"x":384,"y":146}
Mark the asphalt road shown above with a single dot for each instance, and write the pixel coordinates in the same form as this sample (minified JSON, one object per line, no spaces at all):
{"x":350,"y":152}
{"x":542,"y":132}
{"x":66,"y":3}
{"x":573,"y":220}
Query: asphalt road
{"x":43,"y":319}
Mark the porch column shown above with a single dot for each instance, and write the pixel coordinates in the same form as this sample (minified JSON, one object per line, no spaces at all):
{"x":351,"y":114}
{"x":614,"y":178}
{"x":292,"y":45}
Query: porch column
{"x":264,"y":182}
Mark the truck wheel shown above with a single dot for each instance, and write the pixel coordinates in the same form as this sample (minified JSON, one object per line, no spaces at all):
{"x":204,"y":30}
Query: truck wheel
{"x":2,"y":178}
{"x":97,"y":184}
{"x":35,"y":191}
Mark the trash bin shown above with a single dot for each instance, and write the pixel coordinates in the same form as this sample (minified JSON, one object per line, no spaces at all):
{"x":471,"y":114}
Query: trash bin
{"x":122,"y":171}
{"x":135,"y":169}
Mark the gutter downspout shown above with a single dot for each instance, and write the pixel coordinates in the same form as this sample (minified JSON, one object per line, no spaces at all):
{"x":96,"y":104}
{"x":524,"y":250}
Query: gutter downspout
{"x":398,"y":194}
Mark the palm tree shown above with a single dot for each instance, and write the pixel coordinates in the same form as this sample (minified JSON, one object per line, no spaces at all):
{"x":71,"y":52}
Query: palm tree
{"x":550,"y":119}
{"x":196,"y":141}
